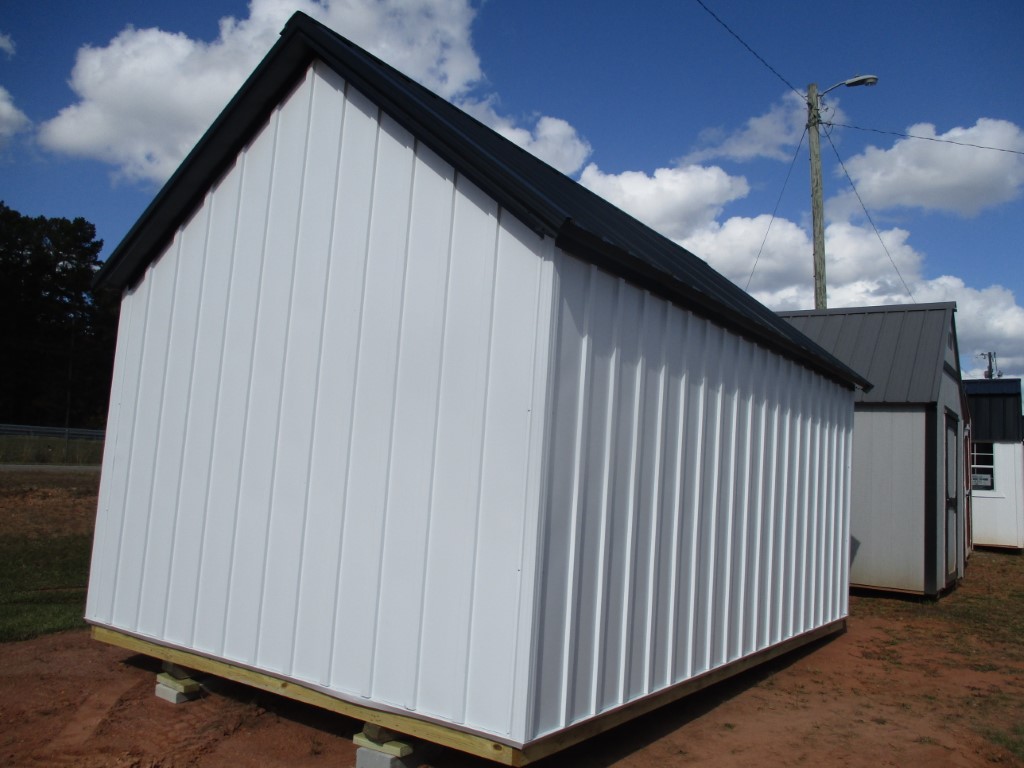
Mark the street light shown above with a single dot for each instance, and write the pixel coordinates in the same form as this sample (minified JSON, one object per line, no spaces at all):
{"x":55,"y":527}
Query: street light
{"x":817,"y":206}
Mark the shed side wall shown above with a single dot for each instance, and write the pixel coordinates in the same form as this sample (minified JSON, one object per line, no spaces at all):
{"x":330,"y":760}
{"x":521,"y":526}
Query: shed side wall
{"x":323,"y":458}
{"x":697,"y":500}
{"x":998,"y":515}
{"x":887,"y":511}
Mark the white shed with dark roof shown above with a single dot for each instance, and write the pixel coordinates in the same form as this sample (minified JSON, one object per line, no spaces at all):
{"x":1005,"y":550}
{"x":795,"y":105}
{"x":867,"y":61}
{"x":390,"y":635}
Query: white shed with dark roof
{"x":997,"y":462}
{"x":410,"y":425}
{"x":908,"y":527}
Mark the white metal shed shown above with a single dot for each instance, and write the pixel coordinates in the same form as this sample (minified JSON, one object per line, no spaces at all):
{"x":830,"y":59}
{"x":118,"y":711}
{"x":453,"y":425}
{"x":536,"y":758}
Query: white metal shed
{"x":997,"y":462}
{"x":410,"y":425}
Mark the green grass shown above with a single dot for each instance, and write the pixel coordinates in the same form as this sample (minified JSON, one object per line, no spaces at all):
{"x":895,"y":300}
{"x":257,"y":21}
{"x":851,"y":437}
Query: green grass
{"x":20,"y":449}
{"x":1012,"y":740}
{"x":42,"y":585}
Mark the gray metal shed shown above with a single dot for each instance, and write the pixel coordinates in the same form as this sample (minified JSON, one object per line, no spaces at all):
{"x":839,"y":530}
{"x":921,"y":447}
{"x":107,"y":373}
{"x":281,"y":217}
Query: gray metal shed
{"x":997,"y":462}
{"x":408,"y":424}
{"x":907,"y":521}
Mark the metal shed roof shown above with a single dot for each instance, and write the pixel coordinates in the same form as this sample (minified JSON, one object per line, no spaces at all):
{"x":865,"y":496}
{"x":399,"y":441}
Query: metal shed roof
{"x":900,"y":348}
{"x":995,"y":409}
{"x":549,"y":202}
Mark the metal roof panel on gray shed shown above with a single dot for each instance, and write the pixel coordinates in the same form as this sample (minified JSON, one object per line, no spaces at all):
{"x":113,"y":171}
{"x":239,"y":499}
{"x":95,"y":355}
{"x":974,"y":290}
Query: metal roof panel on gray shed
{"x":898,"y":348}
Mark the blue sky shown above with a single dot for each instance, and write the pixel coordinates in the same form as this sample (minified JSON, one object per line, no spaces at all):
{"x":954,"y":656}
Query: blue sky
{"x":652,"y":104}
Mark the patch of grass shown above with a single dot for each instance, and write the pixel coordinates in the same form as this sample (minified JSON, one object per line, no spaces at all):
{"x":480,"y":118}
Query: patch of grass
{"x":23,"y":449}
{"x":42,"y":585}
{"x":1012,"y":740}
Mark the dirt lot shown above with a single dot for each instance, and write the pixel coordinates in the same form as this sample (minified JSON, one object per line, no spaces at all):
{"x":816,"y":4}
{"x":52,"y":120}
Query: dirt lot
{"x":909,"y":683}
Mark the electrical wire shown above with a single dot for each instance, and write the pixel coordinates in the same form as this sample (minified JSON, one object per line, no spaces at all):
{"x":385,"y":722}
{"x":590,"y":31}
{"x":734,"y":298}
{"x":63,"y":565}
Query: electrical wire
{"x":776,"y":210}
{"x":853,"y":186}
{"x":756,"y":54}
{"x":928,"y":138}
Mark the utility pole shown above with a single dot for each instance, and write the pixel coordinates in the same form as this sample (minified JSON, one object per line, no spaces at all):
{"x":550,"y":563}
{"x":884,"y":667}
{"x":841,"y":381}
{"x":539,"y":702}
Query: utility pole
{"x":817,"y":205}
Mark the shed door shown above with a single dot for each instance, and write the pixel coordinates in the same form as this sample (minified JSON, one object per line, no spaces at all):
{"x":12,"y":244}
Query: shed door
{"x":952,"y":485}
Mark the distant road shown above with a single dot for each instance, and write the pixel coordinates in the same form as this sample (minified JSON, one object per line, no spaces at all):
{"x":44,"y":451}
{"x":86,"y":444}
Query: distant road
{"x":49,"y":467}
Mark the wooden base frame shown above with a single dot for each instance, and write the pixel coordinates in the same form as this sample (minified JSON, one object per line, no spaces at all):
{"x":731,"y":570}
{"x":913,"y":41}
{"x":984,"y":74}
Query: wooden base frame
{"x":450,"y":736}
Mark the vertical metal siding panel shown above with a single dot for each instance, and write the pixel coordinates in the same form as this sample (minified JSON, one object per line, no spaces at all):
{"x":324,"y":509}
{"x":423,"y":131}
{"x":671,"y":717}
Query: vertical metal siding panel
{"x":146,"y":440}
{"x":320,"y":569}
{"x":263,"y":418}
{"x":503,"y":482}
{"x":669,"y":545}
{"x":738,"y":616}
{"x":784,"y":468}
{"x":548,"y":678}
{"x":723,"y":540}
{"x":373,"y":412}
{"x":110,"y":515}
{"x":616,"y":580}
{"x":236,"y":368}
{"x":448,"y":575}
{"x":309,"y":253}
{"x":696,"y":416}
{"x":773,"y":483}
{"x":709,"y":503}
{"x":195,"y":476}
{"x":175,"y":408}
{"x":589,"y":508}
{"x":415,"y":424}
{"x":761,"y":388}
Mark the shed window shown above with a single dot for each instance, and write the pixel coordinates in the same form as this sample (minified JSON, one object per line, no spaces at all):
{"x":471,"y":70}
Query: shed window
{"x":982,"y":472}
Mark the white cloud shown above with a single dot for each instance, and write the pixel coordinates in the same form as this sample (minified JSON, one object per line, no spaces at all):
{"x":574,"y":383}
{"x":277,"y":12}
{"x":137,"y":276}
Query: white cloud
{"x":552,"y":139}
{"x":6,"y":44}
{"x":147,"y":96}
{"x":940,"y":176}
{"x":12,"y":119}
{"x":674,"y":201}
{"x":774,"y":134}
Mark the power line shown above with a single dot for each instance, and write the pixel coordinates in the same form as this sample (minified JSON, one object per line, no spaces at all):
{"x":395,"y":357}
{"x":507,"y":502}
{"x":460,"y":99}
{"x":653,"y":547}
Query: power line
{"x":774,"y":212}
{"x":756,"y":54}
{"x":927,"y":138}
{"x":868,"y":215}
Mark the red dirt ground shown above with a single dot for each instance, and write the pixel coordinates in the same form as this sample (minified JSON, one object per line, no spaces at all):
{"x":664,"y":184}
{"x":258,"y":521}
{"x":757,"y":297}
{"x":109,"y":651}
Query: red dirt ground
{"x":908,"y":684}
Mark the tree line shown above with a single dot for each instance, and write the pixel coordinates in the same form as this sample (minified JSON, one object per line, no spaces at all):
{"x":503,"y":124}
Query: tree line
{"x":58,"y":331}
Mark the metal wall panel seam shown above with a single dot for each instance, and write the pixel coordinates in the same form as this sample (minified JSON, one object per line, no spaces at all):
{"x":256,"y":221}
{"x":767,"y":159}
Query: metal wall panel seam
{"x":316,"y":84}
{"x":766,"y":606}
{"x":710,"y":501}
{"x":722,"y":623}
{"x":240,"y":165}
{"x":630,"y":512}
{"x":442,"y":355}
{"x":752,"y":552}
{"x":698,"y":358}
{"x":656,"y":500}
{"x":459,"y":711}
{"x":781,"y":533}
{"x":607,"y":476}
{"x":208,"y":206}
{"x":684,"y":321}
{"x":521,"y":703}
{"x":240,"y":168}
{"x":743,"y":506}
{"x":159,"y":411}
{"x":578,"y":473}
{"x":315,"y":421}
{"x":382,"y":552}
{"x":355,"y":379}
{"x":274,"y":121}
{"x":359,"y":314}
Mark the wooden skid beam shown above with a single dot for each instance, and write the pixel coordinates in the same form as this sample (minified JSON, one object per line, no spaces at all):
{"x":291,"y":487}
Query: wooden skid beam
{"x":449,"y":736}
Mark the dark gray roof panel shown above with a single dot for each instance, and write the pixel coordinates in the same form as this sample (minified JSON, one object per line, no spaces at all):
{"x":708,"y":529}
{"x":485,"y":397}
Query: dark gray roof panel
{"x":581,"y":222}
{"x":899,"y":348}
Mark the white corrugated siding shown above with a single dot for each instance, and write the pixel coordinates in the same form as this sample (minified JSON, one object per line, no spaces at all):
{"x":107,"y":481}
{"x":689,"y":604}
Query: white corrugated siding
{"x":696,"y":500}
{"x":325,"y":436}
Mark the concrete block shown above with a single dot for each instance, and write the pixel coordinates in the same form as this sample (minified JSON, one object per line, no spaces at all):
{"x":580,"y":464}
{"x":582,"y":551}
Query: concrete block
{"x":372,"y":758}
{"x":171,"y":695}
